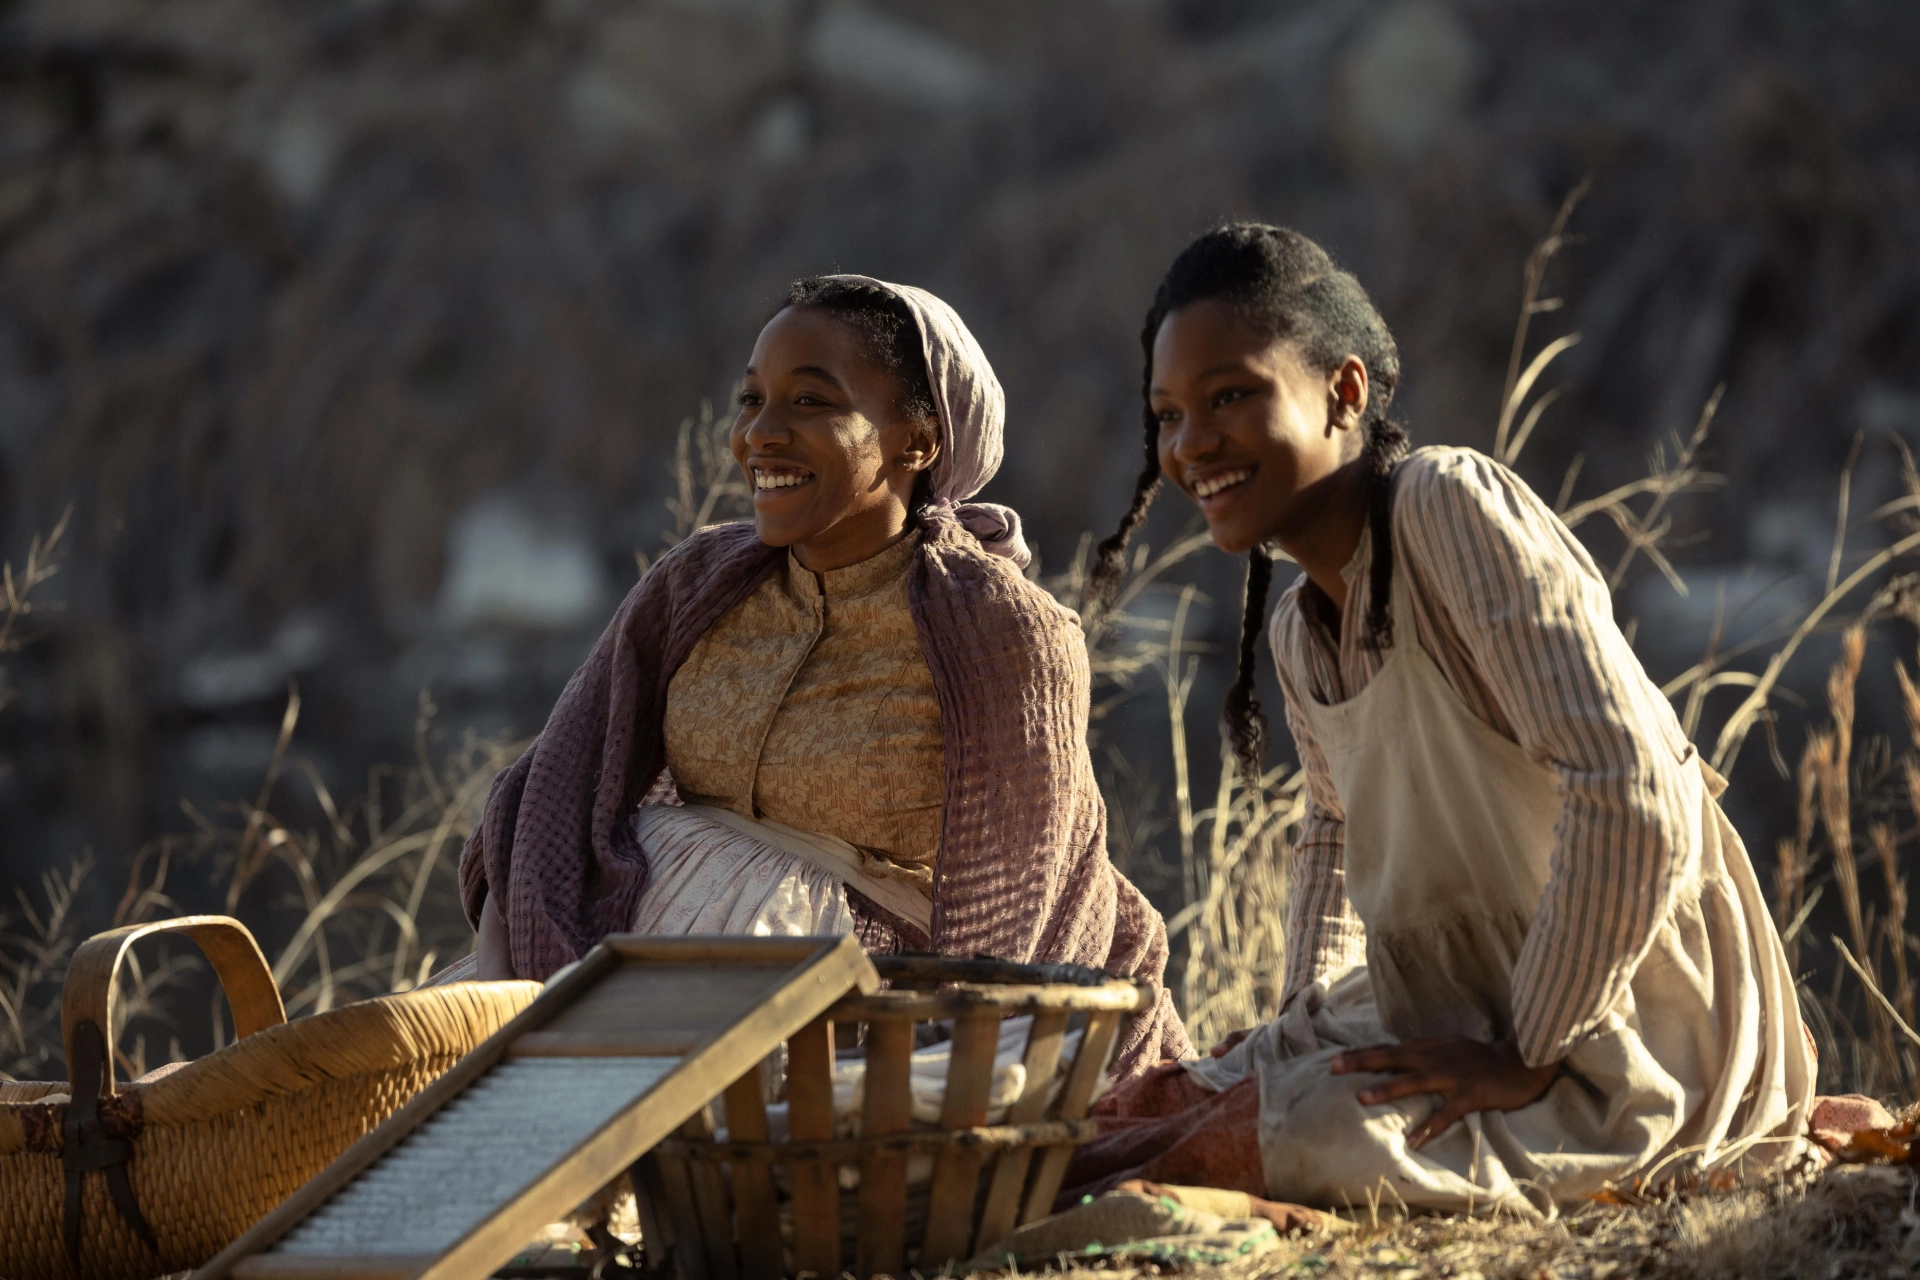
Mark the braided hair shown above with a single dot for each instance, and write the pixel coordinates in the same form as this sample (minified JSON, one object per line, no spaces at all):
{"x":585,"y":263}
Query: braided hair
{"x":1290,"y":290}
{"x":889,"y":338}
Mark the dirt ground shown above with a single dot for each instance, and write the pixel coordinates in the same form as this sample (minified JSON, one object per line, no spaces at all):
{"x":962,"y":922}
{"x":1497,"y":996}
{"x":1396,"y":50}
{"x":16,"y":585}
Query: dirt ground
{"x":1851,"y":1222}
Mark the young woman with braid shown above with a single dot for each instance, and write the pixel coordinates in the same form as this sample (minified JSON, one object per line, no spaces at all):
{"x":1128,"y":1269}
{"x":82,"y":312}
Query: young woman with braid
{"x":1527,"y":956}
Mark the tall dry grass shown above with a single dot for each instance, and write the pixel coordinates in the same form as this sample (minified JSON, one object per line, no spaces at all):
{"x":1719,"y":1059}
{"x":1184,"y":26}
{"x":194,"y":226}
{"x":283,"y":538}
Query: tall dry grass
{"x":1867,"y":1007}
{"x":361,"y":902}
{"x":37,"y":936}
{"x":17,"y":592}
{"x":1229,"y":934}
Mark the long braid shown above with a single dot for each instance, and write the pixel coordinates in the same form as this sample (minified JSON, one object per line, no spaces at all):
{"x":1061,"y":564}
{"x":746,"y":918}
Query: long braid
{"x":1246,"y":722}
{"x":1110,"y":557}
{"x":1386,"y":444}
{"x":1287,"y":287}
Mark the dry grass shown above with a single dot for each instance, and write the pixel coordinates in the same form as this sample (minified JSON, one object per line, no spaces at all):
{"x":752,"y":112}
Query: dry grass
{"x":1857,"y":1221}
{"x":1874,"y":1033}
{"x":16,"y":593}
{"x":1232,"y":884}
{"x":37,"y":939}
{"x":362,"y":903}
{"x":707,"y":484}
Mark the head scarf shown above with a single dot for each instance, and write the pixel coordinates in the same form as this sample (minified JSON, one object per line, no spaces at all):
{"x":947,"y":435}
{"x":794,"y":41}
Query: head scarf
{"x":973,"y":419}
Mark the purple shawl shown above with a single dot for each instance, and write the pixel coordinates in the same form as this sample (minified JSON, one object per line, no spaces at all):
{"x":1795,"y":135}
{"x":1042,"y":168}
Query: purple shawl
{"x":1022,"y":872}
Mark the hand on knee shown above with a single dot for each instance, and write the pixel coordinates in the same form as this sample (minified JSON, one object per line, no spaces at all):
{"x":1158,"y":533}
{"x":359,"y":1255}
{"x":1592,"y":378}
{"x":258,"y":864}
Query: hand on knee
{"x":1468,"y":1076}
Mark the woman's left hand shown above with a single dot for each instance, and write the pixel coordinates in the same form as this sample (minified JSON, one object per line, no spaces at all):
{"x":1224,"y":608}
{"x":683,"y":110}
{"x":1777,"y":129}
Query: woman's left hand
{"x":1227,"y":1046}
{"x":1469,"y":1076}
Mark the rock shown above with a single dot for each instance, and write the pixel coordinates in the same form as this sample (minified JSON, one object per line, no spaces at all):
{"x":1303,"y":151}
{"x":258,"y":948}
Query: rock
{"x":1795,"y":534}
{"x":670,"y":67}
{"x":217,"y":681}
{"x":507,"y":566}
{"x":1886,"y":410}
{"x":1405,"y":79}
{"x":409,"y":546}
{"x":296,"y":147}
{"x":874,"y":53}
{"x":1748,"y":599}
{"x":780,"y":135}
{"x":299,"y":156}
{"x":232,"y":753}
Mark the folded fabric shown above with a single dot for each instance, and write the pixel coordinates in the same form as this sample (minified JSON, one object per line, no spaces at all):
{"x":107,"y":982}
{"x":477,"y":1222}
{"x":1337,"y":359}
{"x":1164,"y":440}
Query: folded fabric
{"x":1171,"y":1130}
{"x":1286,"y":1218}
{"x":927,"y":1089}
{"x":1155,"y":1228}
{"x":927,"y":1081}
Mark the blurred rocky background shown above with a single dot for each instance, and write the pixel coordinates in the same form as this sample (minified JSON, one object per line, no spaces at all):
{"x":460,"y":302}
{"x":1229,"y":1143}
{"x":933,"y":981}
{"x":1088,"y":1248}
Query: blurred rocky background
{"x":357,"y":333}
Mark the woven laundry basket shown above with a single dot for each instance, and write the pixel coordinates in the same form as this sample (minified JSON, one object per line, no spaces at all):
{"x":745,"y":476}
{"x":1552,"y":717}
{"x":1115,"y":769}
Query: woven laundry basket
{"x":124,"y":1182}
{"x":932,"y":1175}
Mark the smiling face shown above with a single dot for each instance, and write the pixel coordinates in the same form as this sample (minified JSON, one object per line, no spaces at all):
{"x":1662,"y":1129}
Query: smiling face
{"x":1255,"y":436}
{"x":820,"y":438}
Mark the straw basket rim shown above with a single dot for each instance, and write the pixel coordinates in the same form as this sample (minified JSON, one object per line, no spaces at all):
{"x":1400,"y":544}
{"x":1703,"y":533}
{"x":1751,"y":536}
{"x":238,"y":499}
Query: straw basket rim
{"x":367,"y":1036}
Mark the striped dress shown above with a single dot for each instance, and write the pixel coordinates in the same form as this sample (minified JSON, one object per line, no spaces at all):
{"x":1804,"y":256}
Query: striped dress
{"x":1519,"y":620}
{"x":1536,"y":853}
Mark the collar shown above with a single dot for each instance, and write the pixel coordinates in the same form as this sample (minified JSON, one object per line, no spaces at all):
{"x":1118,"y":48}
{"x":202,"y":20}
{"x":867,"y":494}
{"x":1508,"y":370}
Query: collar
{"x":874,"y":571}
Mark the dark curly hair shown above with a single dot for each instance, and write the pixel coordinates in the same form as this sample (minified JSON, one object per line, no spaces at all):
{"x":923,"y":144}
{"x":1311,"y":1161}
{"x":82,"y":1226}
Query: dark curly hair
{"x":1288,"y":288}
{"x":889,"y":335}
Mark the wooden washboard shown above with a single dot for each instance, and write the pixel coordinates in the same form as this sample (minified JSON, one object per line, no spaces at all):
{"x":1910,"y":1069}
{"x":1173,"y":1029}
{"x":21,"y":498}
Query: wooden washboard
{"x":610,"y":1059}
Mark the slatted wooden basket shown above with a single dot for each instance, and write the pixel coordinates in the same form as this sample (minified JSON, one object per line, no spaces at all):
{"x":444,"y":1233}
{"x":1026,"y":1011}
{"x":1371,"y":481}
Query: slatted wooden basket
{"x":729,"y":1200}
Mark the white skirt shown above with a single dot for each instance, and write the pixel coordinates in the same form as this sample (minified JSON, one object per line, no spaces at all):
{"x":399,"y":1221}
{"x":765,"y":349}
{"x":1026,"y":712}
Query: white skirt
{"x":710,"y":878}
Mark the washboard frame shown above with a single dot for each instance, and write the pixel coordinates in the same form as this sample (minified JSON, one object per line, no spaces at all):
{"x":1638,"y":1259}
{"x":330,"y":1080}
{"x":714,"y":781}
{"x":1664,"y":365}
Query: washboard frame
{"x":655,"y":1020}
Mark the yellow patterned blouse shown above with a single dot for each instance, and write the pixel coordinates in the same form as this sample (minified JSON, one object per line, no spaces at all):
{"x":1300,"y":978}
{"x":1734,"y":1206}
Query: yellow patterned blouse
{"x":810,"y":703}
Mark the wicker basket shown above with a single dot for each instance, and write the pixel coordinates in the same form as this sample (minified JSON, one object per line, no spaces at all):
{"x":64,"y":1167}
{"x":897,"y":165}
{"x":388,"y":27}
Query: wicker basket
{"x":760,"y":1209}
{"x":128,"y":1182}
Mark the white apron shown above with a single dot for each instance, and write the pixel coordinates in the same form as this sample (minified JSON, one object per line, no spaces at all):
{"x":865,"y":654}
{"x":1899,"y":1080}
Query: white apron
{"x":1702,"y":1064}
{"x":715,"y":872}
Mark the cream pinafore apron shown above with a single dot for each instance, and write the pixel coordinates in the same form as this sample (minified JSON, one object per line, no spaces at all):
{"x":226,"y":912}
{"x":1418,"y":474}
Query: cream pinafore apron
{"x":1700,"y":1066}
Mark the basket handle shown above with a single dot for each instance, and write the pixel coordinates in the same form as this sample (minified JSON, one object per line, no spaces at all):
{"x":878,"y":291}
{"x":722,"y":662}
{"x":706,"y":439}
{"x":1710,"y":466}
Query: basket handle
{"x":93,"y":979}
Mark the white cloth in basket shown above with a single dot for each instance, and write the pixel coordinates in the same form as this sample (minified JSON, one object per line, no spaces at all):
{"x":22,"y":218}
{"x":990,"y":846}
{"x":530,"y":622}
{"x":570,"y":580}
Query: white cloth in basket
{"x":927,"y":1087}
{"x":928,"y":1090}
{"x":927,"y":1081}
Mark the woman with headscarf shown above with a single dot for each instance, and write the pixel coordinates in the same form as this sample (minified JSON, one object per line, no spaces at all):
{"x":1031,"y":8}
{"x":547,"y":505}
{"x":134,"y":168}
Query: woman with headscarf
{"x":852,"y":714}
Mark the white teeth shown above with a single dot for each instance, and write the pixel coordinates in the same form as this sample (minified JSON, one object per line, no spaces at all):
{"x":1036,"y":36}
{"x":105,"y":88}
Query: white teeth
{"x":780,"y":480}
{"x":1207,"y":488}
